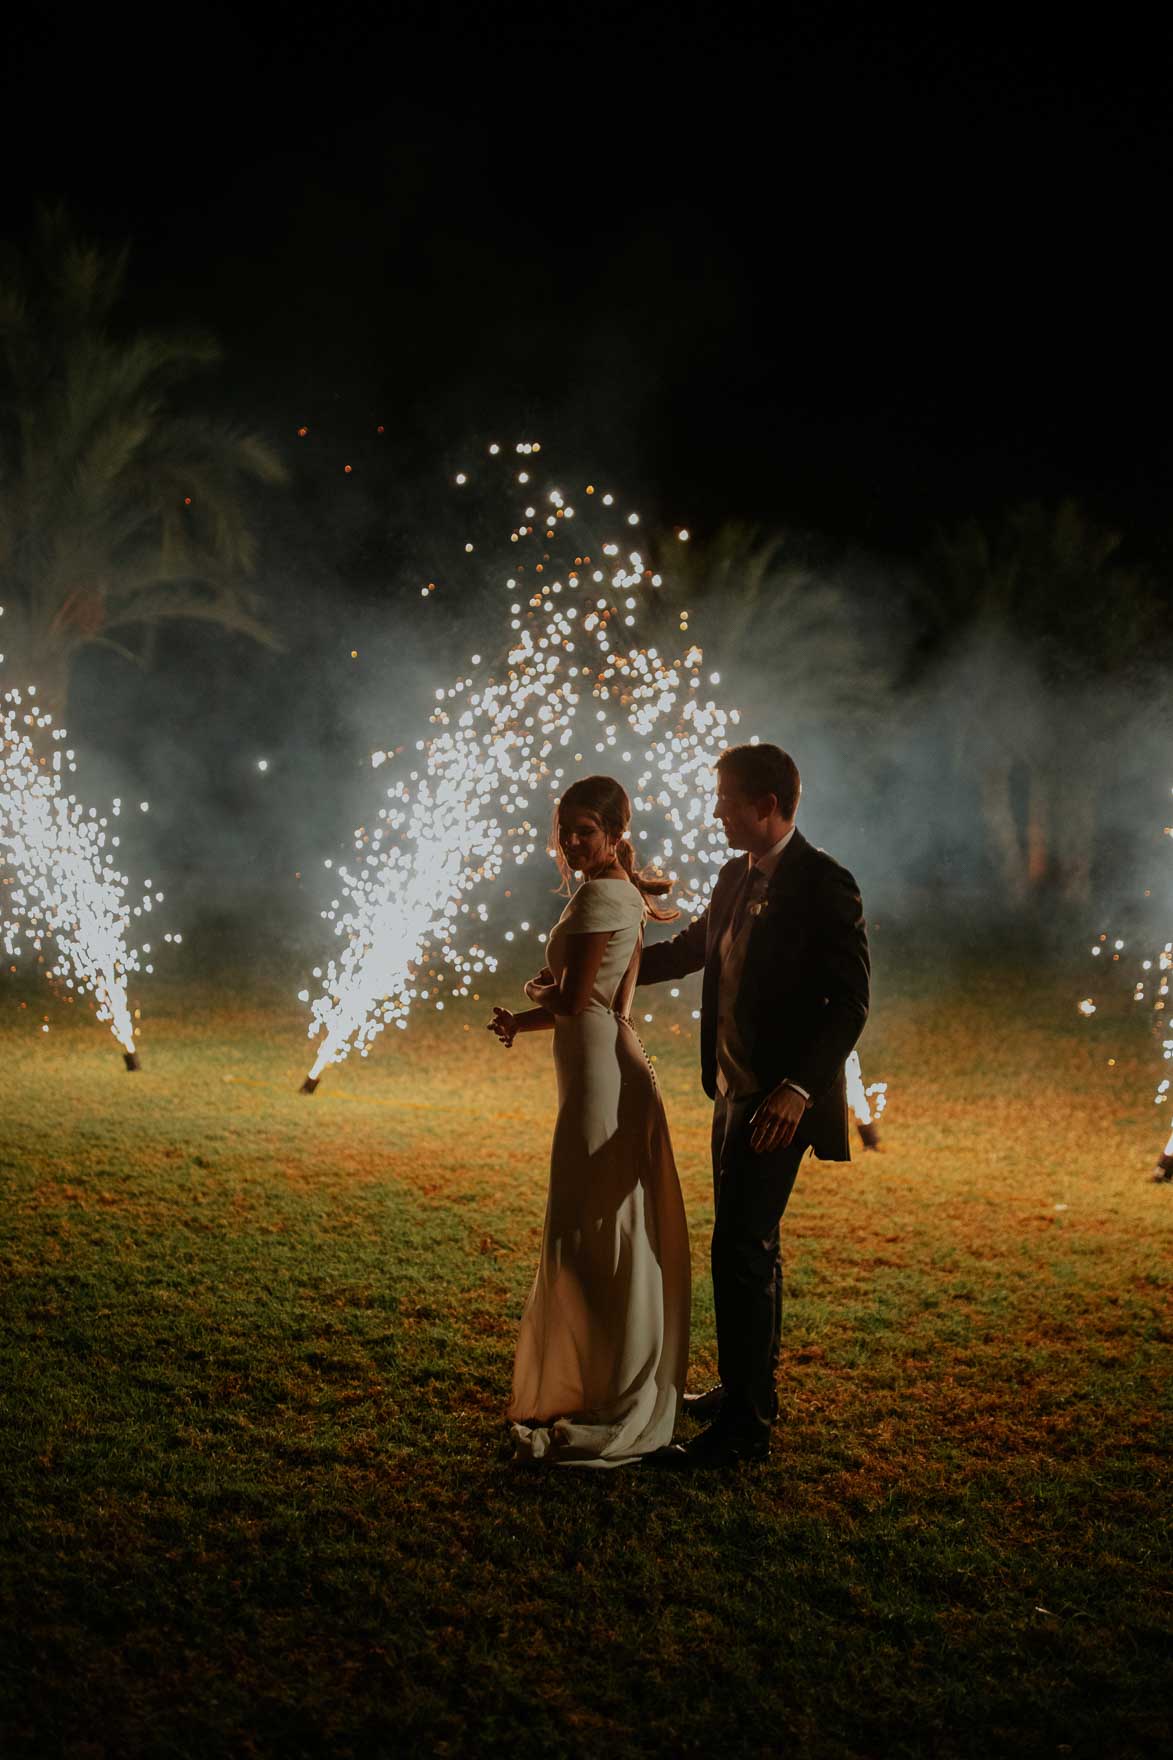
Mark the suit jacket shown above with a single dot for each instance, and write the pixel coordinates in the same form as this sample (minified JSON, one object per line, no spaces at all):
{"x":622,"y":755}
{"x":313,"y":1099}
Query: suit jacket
{"x":803,"y":997}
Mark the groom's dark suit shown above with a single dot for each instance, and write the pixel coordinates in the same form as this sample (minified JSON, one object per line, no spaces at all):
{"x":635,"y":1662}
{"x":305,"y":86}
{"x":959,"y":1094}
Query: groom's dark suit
{"x":800,"y":1005}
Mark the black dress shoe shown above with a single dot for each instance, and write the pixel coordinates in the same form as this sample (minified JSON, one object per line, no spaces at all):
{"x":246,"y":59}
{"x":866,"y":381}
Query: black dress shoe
{"x":672,"y":1458}
{"x":704,"y":1406}
{"x":721,"y":1446}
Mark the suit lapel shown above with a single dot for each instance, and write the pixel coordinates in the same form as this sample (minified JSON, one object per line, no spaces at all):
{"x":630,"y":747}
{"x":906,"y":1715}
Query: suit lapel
{"x":779,"y":894}
{"x":734,"y":875}
{"x":725,"y":892}
{"x":789,"y":864}
{"x":782,"y":880}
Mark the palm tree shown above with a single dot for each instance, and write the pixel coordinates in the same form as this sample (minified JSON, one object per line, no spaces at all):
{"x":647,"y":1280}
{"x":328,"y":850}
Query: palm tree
{"x":1034,"y":625}
{"x":784,"y":617}
{"x":118,"y":512}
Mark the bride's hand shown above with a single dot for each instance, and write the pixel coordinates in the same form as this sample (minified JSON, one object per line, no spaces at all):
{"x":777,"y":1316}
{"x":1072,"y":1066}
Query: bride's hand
{"x":504,"y":1024}
{"x":542,"y":982}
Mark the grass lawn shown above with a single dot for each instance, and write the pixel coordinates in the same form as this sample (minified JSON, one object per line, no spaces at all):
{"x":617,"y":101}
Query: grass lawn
{"x":256,"y":1348}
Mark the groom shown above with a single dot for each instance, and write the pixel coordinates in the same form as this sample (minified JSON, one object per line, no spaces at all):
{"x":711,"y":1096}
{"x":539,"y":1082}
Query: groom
{"x":785,"y":998}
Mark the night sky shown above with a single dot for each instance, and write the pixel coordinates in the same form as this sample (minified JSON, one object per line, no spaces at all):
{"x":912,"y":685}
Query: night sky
{"x":779,"y":265}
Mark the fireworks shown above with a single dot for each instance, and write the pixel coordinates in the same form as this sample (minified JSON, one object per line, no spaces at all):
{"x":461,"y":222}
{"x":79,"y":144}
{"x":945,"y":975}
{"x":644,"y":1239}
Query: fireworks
{"x":1153,"y":987}
{"x":1150,"y":988}
{"x":63,"y":898}
{"x":859,"y":1099}
{"x":572,"y":692}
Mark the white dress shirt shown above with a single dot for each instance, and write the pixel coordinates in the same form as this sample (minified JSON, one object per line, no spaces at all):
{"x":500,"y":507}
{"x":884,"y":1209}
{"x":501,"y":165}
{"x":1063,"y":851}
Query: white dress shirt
{"x":767,"y":863}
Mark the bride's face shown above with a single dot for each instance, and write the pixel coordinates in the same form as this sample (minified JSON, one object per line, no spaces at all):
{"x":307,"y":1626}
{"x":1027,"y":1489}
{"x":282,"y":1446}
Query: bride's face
{"x":584,"y":843}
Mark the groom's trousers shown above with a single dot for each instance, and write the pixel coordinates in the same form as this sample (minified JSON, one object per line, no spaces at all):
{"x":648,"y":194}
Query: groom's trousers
{"x":750,"y":1193}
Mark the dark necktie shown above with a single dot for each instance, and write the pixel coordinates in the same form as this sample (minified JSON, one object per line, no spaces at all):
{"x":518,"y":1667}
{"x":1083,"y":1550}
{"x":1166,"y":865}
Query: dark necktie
{"x":751,"y":893}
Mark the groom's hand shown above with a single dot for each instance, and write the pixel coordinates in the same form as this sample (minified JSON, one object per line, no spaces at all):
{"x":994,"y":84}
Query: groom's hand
{"x":777,"y":1118}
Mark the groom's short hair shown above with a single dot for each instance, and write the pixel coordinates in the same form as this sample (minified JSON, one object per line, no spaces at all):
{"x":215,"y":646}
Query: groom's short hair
{"x":759,"y":770}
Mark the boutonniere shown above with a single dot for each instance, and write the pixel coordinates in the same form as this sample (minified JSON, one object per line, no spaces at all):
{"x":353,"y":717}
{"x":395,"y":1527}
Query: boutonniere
{"x":759,"y":907}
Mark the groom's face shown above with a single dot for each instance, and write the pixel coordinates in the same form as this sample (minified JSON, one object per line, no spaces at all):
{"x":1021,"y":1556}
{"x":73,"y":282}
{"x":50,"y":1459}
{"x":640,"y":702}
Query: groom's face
{"x":738,"y":814}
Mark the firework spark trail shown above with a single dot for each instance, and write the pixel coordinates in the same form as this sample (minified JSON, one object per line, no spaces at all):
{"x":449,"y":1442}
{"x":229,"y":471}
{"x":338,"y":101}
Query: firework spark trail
{"x":62,"y":893}
{"x":571,"y":688}
{"x":859,"y":1098}
{"x":1151,"y":986}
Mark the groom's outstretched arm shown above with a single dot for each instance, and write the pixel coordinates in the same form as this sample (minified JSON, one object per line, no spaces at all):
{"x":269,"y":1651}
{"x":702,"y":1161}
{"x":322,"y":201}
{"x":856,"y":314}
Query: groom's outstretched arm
{"x":676,"y":958}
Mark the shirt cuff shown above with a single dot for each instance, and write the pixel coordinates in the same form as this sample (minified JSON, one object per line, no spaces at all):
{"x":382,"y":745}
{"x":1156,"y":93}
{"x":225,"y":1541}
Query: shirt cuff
{"x":787,"y":1083}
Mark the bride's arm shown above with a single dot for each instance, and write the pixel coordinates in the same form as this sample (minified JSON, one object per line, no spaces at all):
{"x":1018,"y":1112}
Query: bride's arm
{"x":584,"y":956}
{"x":572,"y":994}
{"x":507,"y":1025}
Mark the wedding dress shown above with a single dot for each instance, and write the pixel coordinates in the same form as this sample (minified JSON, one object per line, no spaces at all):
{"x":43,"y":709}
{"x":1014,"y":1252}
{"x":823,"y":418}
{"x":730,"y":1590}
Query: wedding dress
{"x":603,"y":1348}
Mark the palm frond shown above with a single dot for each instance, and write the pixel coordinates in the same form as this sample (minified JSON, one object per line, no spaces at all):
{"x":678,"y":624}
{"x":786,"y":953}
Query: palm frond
{"x":115,"y":509}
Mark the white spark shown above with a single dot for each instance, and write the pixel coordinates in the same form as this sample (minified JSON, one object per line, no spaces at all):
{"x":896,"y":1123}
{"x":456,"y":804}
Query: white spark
{"x":448,"y":829}
{"x":65,"y":900}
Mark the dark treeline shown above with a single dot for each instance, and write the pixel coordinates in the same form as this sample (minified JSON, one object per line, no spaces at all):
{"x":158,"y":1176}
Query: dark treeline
{"x":979,"y":713}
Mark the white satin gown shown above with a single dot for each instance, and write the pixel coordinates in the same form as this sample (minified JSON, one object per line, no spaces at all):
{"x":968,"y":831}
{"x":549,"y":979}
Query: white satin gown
{"x":603,"y":1349}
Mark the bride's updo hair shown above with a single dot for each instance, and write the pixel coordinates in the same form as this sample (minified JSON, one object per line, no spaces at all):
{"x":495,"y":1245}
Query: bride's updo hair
{"x":607,"y":800}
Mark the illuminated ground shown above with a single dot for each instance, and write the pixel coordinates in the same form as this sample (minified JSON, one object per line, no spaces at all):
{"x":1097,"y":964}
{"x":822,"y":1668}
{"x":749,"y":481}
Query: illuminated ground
{"x":257,"y":1346}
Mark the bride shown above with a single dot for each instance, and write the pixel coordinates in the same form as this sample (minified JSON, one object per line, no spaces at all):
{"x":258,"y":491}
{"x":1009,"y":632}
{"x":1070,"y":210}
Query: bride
{"x":603,"y":1348}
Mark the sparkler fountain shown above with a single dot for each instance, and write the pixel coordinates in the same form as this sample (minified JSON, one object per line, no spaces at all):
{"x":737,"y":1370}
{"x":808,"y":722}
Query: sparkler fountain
{"x":570,"y":689}
{"x":62,"y":894}
{"x":859,"y":1099}
{"x":1151,"y":986}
